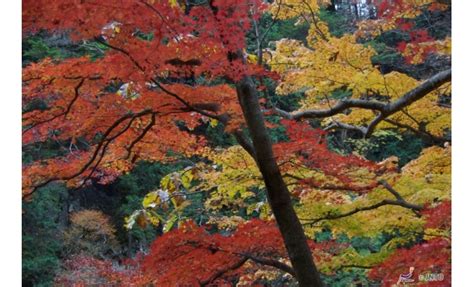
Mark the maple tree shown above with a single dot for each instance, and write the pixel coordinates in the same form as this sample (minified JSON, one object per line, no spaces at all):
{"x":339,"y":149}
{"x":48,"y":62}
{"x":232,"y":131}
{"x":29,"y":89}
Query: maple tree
{"x":167,"y":68}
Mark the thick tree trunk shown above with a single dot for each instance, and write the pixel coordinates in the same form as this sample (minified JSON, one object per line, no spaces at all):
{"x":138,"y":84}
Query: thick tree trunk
{"x":277,"y":192}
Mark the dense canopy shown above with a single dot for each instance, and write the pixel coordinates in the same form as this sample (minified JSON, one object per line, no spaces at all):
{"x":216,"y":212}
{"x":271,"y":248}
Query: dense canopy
{"x":237,"y":143}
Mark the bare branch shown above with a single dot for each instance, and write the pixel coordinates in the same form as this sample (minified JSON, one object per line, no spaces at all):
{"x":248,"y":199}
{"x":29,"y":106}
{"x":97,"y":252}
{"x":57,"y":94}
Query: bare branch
{"x":384,"y":109}
{"x":336,"y":124}
{"x":64,"y":113}
{"x":336,"y":109}
{"x":141,"y":136}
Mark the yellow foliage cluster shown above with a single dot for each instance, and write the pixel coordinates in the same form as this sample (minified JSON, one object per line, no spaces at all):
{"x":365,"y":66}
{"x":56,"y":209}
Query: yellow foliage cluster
{"x":265,"y":274}
{"x":173,"y":191}
{"x":335,"y":64}
{"x":90,"y":232}
{"x":325,"y":64}
{"x":231,"y":178}
{"x":423,"y":181}
{"x":433,"y":160}
{"x":426,"y":113}
{"x":350,"y":257}
{"x":227,"y":223}
{"x":323,"y":67}
{"x":342,"y":63}
{"x":287,"y":9}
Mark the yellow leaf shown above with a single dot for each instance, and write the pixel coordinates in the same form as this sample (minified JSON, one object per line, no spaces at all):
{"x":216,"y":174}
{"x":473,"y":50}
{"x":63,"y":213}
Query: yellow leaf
{"x":153,"y":218}
{"x":151,"y":200}
{"x":213,"y":123}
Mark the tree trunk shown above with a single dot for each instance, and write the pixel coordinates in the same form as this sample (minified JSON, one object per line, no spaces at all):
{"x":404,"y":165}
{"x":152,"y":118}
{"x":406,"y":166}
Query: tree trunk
{"x":277,"y":192}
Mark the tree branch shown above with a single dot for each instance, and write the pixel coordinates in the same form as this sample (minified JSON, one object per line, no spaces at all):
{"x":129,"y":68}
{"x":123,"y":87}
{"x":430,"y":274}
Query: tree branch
{"x":384,"y":109}
{"x":244,"y":142}
{"x":421,"y":133}
{"x":400,"y":201}
{"x":273,"y":263}
{"x":336,"y":124}
{"x":221,"y":272}
{"x":141,"y":136}
{"x":222,"y":118}
{"x":64,"y":113}
{"x":101,"y":146}
{"x":244,"y":257}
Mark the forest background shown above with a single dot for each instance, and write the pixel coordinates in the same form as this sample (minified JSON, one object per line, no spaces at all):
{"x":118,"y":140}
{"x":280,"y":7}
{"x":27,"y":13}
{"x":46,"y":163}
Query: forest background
{"x":11,"y":205}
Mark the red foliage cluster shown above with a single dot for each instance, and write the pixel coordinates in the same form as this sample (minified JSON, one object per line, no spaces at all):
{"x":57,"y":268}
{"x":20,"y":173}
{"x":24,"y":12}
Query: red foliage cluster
{"x":418,"y":46}
{"x":208,"y":257}
{"x":309,"y":146}
{"x":191,"y":256}
{"x":83,"y":270}
{"x":389,"y":8}
{"x":158,"y":76}
{"x":429,"y":259}
{"x":204,"y":36}
{"x":392,"y":8}
{"x":421,"y":43}
{"x":438,"y":216}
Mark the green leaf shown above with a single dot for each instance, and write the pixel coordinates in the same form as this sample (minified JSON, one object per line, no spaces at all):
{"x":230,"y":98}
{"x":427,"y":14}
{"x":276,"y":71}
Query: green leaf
{"x":170,"y":223}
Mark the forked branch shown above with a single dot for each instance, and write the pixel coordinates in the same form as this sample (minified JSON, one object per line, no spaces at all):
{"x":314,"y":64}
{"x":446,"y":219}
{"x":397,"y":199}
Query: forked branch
{"x":384,"y":109}
{"x":399,"y":201}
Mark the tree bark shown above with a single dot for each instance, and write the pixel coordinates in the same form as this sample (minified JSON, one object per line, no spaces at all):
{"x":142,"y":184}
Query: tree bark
{"x":277,"y":191}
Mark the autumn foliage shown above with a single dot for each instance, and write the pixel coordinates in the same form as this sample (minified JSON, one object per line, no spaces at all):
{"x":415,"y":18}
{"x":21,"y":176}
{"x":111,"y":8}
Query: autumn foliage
{"x":90,"y":233}
{"x":167,"y":76}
